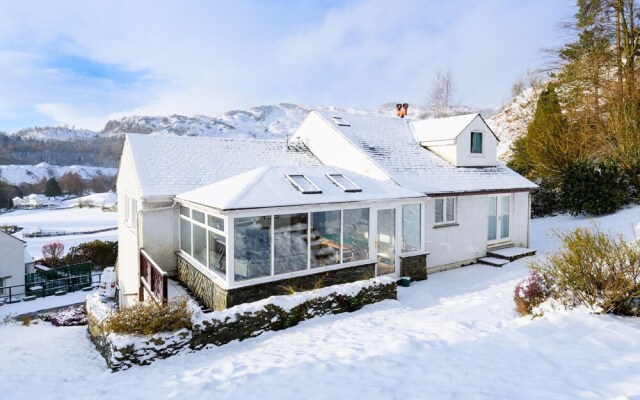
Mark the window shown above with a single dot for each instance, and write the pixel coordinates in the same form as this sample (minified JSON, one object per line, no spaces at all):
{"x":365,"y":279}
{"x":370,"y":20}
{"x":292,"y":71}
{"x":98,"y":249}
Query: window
{"x":197,"y":216}
{"x":303,"y":184}
{"x":476,"y":142}
{"x":343,"y":183}
{"x":185,"y":235}
{"x":411,"y":223}
{"x":216,"y":222}
{"x":134,"y":214}
{"x":325,"y":238}
{"x":217,"y":254}
{"x":340,"y":121}
{"x":355,"y":235}
{"x":127,"y":214}
{"x":185,"y":211}
{"x":291,"y":247}
{"x":445,"y":210}
{"x":252,"y":247}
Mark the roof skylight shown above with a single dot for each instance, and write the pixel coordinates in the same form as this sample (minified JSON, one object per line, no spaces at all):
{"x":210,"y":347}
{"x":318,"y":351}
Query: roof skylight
{"x":340,"y":121}
{"x":303,"y":184}
{"x":344,"y":183}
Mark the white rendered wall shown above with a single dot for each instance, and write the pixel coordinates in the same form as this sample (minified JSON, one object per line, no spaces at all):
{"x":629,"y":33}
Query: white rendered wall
{"x":128,"y":253}
{"x":489,"y":146}
{"x":466,"y":240}
{"x":333,"y":149}
{"x":12,"y":261}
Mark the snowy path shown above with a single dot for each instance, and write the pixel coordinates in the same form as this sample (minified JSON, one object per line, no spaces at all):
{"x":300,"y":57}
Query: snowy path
{"x":455,"y":336}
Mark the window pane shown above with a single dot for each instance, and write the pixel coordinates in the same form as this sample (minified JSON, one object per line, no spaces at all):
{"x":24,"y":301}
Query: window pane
{"x":325,"y":238}
{"x":476,"y":142}
{"x":216,"y":222}
{"x":185,"y":235}
{"x":344,"y":183}
{"x":492,"y":218}
{"x":439,"y":210}
{"x":252,"y":247}
{"x":356,"y":235}
{"x":504,"y":217}
{"x":290,"y":242}
{"x":198,"y":216}
{"x":185,"y":211}
{"x":217,"y":254}
{"x":134,"y":213}
{"x":451,"y":208}
{"x":411,"y":227}
{"x":200,"y":244}
{"x":386,"y":245}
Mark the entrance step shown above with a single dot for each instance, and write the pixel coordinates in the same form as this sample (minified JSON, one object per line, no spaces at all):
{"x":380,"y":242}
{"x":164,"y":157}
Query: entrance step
{"x":493,"y":261}
{"x":511,"y":253}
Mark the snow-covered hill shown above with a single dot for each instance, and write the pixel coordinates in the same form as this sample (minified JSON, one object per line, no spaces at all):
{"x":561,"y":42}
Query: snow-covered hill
{"x":16,"y":174}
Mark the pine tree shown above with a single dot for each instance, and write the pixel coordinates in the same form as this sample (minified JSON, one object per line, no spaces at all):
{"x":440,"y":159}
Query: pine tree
{"x":52,"y":189}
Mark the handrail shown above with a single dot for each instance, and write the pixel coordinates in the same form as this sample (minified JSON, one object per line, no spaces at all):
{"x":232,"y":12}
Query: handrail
{"x":152,"y":279}
{"x":43,"y":289}
{"x":153,"y":263}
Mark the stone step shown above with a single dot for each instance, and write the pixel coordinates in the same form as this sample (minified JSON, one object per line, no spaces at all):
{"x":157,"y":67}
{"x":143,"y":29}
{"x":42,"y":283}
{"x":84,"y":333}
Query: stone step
{"x":494,"y":262}
{"x":511,"y":253}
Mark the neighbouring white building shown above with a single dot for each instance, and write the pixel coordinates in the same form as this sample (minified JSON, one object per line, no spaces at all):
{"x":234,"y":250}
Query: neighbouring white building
{"x":12,"y":263}
{"x":350,"y":196}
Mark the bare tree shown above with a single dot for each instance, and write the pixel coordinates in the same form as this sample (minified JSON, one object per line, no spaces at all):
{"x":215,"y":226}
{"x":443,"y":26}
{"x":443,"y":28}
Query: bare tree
{"x":443,"y":85}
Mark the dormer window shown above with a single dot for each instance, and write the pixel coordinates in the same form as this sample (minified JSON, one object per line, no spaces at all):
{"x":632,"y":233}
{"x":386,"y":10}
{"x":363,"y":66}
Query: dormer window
{"x":476,"y":142}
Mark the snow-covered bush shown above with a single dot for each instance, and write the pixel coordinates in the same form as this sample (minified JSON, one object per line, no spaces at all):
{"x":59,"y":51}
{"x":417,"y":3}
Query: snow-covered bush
{"x":595,"y":269}
{"x":530,"y":293}
{"x":149,"y":317}
{"x":68,"y":316}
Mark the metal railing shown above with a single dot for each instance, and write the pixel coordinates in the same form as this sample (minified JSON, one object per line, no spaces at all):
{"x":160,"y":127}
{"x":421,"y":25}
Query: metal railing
{"x":152,"y":278}
{"x":11,"y":294}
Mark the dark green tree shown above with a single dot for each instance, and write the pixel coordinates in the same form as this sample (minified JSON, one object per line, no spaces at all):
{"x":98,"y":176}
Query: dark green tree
{"x":52,"y":188}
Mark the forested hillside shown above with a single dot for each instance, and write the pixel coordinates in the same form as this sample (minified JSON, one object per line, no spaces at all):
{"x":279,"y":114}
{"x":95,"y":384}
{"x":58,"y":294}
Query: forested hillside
{"x":582,"y":144}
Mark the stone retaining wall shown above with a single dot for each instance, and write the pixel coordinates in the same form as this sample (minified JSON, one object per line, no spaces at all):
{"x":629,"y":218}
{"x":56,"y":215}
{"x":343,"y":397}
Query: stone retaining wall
{"x":237,"y":323}
{"x":414,"y":267}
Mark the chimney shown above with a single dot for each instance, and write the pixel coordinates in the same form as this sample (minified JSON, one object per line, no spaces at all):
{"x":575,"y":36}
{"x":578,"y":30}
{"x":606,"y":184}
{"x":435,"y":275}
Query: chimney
{"x":402,"y":109}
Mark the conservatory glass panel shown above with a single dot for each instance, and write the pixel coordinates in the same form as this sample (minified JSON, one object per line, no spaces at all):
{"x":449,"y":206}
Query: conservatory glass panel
{"x":217,"y":254}
{"x":386,"y":241}
{"x":252,"y":247}
{"x":325,"y":238}
{"x":185,"y":235}
{"x":197,"y":216}
{"x":216,"y":222}
{"x":185,"y":211}
{"x":355,"y":235}
{"x":200,"y":244}
{"x":411,"y":223}
{"x":290,"y":243}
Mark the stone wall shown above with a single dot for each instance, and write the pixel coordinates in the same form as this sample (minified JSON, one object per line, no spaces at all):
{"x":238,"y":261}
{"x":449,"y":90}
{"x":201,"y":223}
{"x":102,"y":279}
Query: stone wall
{"x":414,"y":267}
{"x":217,"y":298}
{"x":237,"y":323}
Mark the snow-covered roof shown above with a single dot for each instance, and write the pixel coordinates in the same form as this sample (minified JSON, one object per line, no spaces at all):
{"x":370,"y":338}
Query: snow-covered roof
{"x":11,"y":236}
{"x":446,"y":128}
{"x":168,"y":165}
{"x":390,"y":144}
{"x":269,"y":187}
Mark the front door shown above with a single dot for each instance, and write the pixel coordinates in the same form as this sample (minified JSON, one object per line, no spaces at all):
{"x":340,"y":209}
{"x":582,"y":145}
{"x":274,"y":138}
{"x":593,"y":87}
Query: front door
{"x":386,"y":241}
{"x":498,"y":218}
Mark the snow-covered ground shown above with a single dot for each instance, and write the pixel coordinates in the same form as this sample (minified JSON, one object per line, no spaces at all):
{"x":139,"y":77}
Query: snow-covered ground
{"x":67,"y":220}
{"x":17,"y":174}
{"x":454,"y":336}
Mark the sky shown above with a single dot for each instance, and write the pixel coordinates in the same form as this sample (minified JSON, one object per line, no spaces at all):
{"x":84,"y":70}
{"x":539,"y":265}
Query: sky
{"x":82,"y":63}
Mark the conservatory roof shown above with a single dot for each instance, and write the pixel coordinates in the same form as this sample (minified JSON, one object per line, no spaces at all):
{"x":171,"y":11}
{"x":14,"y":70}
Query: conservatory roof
{"x":266,"y":187}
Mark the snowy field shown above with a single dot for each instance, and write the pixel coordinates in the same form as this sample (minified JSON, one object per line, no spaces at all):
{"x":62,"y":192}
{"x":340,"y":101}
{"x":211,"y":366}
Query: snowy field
{"x":66,"y":219}
{"x":454,"y":336}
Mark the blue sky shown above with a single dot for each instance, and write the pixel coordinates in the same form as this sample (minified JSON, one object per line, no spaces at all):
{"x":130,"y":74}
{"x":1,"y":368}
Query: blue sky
{"x":81,"y":63}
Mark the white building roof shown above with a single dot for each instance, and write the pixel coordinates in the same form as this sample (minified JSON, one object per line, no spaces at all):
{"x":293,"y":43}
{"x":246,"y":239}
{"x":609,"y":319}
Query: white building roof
{"x":390,"y":144}
{"x":269,"y":187}
{"x":28,"y":258}
{"x":168,"y":165}
{"x":446,"y":128}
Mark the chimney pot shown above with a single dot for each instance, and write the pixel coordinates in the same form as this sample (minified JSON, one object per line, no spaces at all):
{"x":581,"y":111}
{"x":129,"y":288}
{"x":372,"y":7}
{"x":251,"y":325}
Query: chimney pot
{"x":402,"y":109}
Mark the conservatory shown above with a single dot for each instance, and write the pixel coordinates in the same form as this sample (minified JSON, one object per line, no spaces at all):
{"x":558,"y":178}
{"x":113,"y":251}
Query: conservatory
{"x":276,"y":226}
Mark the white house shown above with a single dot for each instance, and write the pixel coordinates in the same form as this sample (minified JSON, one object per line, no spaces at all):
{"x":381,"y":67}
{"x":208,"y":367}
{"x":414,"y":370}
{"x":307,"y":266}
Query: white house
{"x":12,"y":263}
{"x":348,"y":197}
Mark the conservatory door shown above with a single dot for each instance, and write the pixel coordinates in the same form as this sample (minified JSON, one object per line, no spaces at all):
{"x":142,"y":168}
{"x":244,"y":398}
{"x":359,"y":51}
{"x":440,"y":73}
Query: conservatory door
{"x":386,"y":241}
{"x":498,"y":218}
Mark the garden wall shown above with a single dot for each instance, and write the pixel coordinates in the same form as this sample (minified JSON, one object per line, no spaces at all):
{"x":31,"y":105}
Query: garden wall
{"x":237,"y":323}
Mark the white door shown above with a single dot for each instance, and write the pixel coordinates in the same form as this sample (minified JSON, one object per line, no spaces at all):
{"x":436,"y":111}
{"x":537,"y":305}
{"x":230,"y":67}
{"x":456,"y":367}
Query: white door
{"x":498,"y":218}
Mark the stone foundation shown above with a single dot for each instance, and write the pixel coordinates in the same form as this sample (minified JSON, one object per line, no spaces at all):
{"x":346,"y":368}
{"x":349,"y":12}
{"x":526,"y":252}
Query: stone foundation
{"x":415,"y":267}
{"x":217,"y":298}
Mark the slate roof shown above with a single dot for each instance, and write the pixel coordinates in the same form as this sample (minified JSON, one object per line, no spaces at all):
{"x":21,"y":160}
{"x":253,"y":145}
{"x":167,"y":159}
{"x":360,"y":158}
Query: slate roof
{"x":269,"y":187}
{"x":169,"y":165}
{"x":390,"y":144}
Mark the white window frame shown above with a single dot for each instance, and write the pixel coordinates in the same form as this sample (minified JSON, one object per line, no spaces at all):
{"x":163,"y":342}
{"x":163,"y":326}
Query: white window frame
{"x":445,"y":208}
